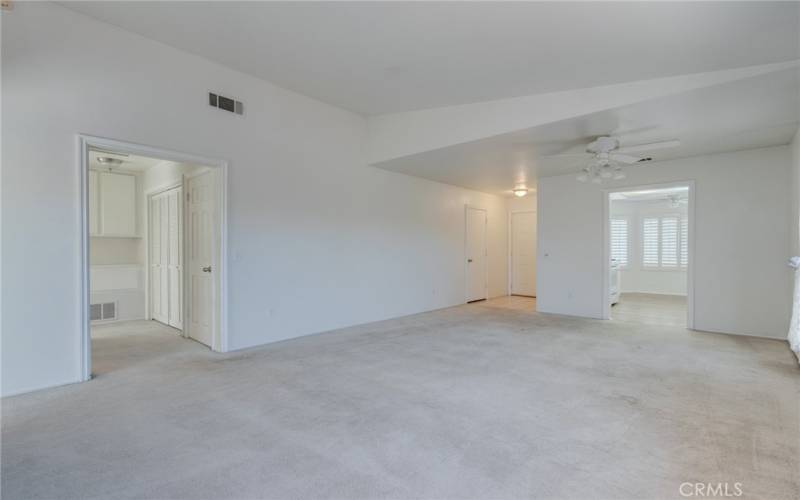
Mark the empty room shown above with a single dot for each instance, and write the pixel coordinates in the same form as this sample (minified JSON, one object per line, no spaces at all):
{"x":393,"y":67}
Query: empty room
{"x":400,"y":250}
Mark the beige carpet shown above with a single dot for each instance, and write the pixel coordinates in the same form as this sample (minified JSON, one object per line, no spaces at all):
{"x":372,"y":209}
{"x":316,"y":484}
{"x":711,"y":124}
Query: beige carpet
{"x":474,"y":402}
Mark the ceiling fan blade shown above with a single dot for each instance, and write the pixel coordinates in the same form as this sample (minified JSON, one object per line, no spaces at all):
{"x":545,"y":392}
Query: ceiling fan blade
{"x":650,"y":146}
{"x":566,"y":155}
{"x":624,"y":158}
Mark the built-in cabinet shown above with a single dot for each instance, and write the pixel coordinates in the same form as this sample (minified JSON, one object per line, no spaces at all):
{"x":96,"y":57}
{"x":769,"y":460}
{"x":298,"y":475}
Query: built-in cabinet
{"x":112,"y":204}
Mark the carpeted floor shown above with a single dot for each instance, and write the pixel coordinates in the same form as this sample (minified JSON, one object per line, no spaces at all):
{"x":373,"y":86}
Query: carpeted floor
{"x":475,"y":402}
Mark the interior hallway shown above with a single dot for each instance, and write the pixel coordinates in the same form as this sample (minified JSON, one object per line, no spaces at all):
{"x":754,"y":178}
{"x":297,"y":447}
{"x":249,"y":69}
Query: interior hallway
{"x":473,"y":401}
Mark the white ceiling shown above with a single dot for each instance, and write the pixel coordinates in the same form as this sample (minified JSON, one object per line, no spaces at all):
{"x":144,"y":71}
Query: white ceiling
{"x":391,"y":56}
{"x":750,"y":113}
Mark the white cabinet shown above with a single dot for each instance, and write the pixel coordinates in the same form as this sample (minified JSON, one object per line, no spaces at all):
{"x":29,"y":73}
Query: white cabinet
{"x":112,"y":204}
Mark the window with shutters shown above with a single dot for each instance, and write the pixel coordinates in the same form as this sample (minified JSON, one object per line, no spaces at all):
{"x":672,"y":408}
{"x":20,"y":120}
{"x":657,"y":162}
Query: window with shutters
{"x":665,"y":242}
{"x":619,"y":240}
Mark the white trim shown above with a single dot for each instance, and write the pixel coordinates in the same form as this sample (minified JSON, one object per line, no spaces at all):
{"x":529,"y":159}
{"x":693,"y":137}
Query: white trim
{"x":485,"y":253}
{"x":83,"y":143}
{"x":510,"y":246}
{"x":606,"y":250}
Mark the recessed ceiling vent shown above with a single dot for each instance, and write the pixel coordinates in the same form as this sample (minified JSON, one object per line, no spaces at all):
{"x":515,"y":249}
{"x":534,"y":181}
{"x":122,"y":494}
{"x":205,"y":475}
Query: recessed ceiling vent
{"x":225,"y":103}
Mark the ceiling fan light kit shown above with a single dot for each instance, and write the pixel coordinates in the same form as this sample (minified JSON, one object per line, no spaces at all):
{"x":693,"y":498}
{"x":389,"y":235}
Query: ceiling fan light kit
{"x":608,"y":158}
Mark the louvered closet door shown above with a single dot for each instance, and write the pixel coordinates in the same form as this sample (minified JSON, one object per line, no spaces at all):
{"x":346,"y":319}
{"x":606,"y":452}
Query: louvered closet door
{"x":166,"y":256}
{"x":159,"y":300}
{"x":175,"y":257}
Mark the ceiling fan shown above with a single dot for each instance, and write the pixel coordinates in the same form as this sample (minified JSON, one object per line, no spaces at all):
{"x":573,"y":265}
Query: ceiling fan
{"x":607,"y":158}
{"x":676,"y":200}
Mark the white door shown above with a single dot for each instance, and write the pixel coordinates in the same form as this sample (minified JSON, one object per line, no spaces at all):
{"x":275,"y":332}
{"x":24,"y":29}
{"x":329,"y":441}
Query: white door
{"x":477,"y":288}
{"x":159,"y":298}
{"x":201,"y":214}
{"x":174,"y":223}
{"x":523,"y":253}
{"x":166,"y":258}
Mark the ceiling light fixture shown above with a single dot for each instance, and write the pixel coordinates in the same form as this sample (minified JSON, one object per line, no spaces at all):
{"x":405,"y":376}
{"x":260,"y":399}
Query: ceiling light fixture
{"x":107,"y":160}
{"x":520,"y":191}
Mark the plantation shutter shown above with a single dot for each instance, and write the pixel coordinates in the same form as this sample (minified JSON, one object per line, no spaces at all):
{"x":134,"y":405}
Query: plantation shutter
{"x":619,"y":241}
{"x":669,"y":241}
{"x":650,"y":233}
{"x":684,"y":242}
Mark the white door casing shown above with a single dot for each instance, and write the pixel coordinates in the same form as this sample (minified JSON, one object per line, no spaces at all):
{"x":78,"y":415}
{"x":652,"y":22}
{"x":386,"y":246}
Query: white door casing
{"x":523,"y":253}
{"x":475,"y":254}
{"x":88,"y":182}
{"x":200,"y":238}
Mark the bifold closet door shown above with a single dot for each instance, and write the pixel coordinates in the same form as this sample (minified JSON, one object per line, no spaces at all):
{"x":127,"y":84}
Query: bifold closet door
{"x":175,"y":256}
{"x":166,"y":256}
{"x":159,"y":300}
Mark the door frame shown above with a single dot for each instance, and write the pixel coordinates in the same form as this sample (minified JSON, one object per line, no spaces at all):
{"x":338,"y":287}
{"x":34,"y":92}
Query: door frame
{"x":511,"y":243}
{"x":606,"y":250}
{"x":83,"y":143}
{"x":467,"y":208}
{"x":146,"y":237}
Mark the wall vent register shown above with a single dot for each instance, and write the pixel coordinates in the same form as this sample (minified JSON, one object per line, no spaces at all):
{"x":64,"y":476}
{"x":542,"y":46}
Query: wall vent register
{"x":103,"y":311}
{"x":225,"y":103}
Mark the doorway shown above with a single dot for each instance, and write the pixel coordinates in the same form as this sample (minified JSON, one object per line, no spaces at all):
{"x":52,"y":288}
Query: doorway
{"x":522,"y":253}
{"x":476,"y":265}
{"x":648,"y":255}
{"x":153,"y":259}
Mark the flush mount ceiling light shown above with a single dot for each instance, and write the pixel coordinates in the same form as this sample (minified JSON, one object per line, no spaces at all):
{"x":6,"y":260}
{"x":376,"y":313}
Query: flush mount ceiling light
{"x":109,"y":161}
{"x":520,"y":191}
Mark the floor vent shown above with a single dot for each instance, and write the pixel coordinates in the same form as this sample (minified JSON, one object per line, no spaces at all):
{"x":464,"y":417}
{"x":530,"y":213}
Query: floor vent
{"x":104,"y":311}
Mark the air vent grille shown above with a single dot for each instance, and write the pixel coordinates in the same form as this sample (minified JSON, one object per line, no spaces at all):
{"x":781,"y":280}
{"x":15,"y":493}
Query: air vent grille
{"x":102,"y":312}
{"x":225,"y":103}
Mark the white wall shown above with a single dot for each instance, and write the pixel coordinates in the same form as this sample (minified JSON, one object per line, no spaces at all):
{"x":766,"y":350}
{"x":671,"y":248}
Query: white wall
{"x":523,"y":204}
{"x":795,"y":186}
{"x":742,"y":209}
{"x":105,"y":251}
{"x":317,"y":239}
{"x":634,"y":278}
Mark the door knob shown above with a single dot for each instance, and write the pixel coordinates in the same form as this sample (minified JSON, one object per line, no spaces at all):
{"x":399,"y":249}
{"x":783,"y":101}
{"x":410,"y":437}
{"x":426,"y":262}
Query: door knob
{"x":469,"y":260}
{"x":207,"y":269}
